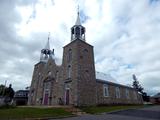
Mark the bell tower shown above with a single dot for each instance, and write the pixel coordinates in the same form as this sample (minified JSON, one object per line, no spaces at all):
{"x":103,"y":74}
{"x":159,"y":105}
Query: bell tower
{"x":78,"y":69}
{"x":46,"y":53}
{"x":78,"y":31}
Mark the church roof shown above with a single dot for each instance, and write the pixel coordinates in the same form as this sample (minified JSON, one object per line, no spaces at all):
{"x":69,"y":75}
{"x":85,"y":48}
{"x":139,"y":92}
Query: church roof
{"x":105,"y":77}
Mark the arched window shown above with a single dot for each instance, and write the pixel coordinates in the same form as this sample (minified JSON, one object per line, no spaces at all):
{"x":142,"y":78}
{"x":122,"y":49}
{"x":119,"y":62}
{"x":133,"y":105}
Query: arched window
{"x":85,"y":51}
{"x":69,"y":71}
{"x":72,"y":31}
{"x":83,"y":30}
{"x":69,"y":55}
{"x":77,"y":31}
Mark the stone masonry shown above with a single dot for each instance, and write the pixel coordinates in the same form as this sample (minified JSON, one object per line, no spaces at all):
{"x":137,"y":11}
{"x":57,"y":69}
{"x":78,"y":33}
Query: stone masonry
{"x":74,"y":81}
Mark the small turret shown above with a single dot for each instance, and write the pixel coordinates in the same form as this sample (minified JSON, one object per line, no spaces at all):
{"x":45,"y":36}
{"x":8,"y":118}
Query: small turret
{"x":46,"y":53}
{"x":78,"y":31}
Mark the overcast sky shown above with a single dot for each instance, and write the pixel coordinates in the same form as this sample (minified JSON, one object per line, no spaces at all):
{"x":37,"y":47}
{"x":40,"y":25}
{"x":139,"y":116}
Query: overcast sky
{"x":125,"y":35}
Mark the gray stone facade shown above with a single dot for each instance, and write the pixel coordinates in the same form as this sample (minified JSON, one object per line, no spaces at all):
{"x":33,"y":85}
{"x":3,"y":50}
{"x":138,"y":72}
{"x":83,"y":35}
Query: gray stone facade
{"x":127,"y":95}
{"x":74,"y":81}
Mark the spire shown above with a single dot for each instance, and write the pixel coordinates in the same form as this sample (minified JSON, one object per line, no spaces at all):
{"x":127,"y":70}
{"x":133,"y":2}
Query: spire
{"x":47,"y":44}
{"x":78,"y":21}
{"x":46,"y":53}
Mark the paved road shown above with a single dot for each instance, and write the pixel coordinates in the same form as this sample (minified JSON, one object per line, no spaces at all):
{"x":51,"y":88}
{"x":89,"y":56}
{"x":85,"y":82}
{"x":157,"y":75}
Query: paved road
{"x":148,"y":113}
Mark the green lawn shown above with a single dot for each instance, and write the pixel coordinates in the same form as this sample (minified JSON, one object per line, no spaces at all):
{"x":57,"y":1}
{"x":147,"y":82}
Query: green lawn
{"x":102,"y":109}
{"x":30,"y":112}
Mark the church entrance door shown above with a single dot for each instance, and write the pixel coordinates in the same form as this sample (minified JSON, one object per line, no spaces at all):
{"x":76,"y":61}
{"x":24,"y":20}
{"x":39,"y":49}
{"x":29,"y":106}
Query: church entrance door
{"x":67,"y":97}
{"x":46,"y":98}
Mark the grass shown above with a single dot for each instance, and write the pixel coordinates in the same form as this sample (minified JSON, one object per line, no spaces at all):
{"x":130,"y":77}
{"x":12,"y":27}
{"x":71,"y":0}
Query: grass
{"x":30,"y":112}
{"x":103,"y":109}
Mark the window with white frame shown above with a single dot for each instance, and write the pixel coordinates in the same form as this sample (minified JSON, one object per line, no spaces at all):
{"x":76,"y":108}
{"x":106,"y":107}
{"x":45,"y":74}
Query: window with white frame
{"x":118,"y":92}
{"x":105,"y":90}
{"x":127,"y":93}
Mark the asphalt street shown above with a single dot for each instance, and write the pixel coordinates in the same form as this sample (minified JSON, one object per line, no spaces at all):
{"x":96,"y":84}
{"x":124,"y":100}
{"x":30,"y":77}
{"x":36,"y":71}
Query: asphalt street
{"x":147,"y":113}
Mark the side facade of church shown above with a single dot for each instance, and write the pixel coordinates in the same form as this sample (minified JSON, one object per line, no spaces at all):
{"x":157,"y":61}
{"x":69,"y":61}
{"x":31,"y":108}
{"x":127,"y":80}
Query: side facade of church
{"x":74,"y":82}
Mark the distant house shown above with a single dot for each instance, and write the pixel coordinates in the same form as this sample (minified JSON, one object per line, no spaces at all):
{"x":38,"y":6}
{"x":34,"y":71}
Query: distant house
{"x":155,"y":99}
{"x":21,"y":97}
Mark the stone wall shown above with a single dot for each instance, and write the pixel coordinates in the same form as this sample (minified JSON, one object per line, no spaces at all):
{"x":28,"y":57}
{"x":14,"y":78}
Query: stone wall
{"x":132,"y":98}
{"x":86,"y":75}
{"x":84,"y":89}
{"x":35,"y":83}
{"x":82,"y":79}
{"x":46,"y":72}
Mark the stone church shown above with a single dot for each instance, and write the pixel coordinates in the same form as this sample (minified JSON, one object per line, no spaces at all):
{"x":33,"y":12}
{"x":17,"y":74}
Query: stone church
{"x":75,"y":82}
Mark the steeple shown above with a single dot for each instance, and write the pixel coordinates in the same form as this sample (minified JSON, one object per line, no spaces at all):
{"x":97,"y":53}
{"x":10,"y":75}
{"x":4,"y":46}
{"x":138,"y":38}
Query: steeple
{"x":78,"y":21}
{"x":46,"y":53}
{"x":47,"y":44}
{"x":78,"y":31}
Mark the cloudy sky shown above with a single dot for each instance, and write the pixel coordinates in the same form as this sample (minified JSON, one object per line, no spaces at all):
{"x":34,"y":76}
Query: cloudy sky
{"x":125,"y":36}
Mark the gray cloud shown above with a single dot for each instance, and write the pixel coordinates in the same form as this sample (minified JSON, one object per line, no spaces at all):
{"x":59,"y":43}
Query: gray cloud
{"x":125,"y":36}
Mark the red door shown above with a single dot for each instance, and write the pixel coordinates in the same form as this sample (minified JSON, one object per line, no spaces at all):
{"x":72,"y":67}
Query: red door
{"x":67,"y":97}
{"x":46,"y":98}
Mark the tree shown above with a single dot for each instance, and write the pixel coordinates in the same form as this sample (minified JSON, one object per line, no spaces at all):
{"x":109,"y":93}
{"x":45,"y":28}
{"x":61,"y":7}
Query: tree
{"x":136,"y":84}
{"x":139,"y":88}
{"x":9,"y":94}
{"x":2,"y":90}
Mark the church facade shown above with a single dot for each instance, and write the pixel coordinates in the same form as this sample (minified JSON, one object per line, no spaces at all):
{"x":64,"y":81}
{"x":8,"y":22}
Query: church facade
{"x":74,"y":82}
